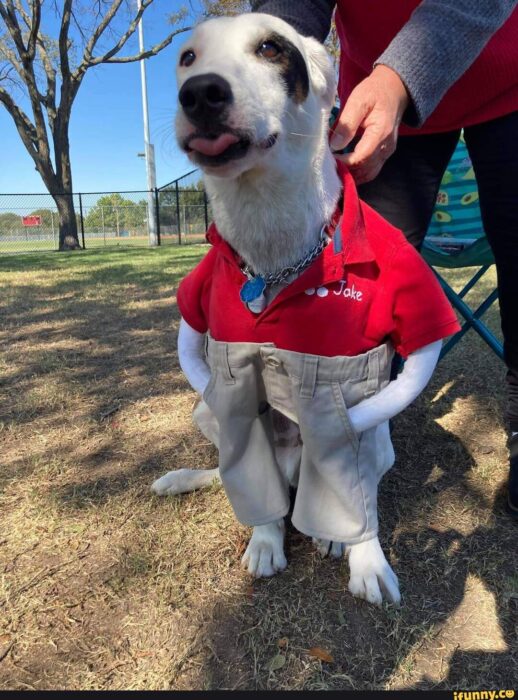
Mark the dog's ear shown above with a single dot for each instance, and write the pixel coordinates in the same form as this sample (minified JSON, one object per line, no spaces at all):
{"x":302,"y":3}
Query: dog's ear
{"x":321,"y":70}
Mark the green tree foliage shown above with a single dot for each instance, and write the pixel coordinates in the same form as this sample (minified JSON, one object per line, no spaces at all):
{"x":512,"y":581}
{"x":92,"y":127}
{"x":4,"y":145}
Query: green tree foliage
{"x":9,"y":222}
{"x":191,"y":203}
{"x":114,"y":214}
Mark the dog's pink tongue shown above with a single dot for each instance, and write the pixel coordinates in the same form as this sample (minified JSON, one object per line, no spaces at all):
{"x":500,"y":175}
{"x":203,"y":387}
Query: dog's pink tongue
{"x":213,"y":147}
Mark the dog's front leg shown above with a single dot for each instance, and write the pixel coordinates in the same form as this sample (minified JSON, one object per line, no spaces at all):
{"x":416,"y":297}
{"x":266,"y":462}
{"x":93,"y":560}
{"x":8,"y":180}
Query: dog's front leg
{"x":264,"y":555}
{"x":371,"y":574}
{"x":192,"y":360}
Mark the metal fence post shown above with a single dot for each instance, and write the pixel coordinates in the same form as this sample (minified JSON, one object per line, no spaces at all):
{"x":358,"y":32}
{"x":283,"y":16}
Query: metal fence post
{"x":178,"y":213}
{"x":157,"y":209}
{"x":82,"y":220}
{"x":206,"y":212}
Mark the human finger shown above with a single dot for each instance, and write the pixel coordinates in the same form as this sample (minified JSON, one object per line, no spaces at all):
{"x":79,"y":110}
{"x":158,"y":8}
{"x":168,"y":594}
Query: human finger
{"x":348,"y":123}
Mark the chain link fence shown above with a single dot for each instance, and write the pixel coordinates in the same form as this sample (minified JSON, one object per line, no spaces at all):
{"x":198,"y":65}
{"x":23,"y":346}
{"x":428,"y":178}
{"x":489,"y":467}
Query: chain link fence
{"x":30,"y":222}
{"x":184,"y":210}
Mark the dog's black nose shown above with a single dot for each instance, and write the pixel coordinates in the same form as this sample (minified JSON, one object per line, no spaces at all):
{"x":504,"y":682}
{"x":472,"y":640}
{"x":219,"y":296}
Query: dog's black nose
{"x":205,"y":96}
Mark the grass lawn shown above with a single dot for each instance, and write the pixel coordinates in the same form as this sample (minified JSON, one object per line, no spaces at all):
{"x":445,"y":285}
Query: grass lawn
{"x":34,"y":246}
{"x":105,"y":586}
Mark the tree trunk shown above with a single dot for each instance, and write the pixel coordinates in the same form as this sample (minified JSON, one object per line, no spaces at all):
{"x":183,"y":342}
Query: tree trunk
{"x":68,"y":239}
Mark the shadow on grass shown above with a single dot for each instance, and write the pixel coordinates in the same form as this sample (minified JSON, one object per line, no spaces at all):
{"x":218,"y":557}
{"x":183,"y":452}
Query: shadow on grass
{"x":96,"y":331}
{"x":90,"y":321}
{"x":445,"y":532}
{"x":437,"y":552}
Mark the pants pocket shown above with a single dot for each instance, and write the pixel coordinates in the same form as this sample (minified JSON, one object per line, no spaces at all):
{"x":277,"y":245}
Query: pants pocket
{"x":344,"y":415}
{"x":210,"y":387}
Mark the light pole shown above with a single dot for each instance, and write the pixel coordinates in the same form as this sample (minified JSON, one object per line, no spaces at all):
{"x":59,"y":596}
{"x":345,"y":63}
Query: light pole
{"x":149,"y":148}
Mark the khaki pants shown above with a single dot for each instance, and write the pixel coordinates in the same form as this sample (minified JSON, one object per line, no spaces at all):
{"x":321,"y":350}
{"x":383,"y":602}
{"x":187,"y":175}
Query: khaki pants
{"x":339,"y":473}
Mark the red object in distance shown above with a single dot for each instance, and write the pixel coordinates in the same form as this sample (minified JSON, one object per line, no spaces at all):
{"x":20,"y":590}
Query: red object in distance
{"x":31,"y":220}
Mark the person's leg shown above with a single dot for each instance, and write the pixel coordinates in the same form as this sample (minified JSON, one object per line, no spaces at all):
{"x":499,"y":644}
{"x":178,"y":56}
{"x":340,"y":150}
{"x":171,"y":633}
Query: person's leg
{"x":493,"y":148}
{"x":406,"y":189}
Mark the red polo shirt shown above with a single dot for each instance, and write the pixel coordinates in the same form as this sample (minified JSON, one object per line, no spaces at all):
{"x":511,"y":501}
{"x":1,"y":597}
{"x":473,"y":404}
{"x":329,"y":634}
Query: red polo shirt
{"x":346,"y":303}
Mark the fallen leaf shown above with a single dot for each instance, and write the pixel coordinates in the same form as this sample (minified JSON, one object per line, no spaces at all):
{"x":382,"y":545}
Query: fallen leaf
{"x":341,"y":617}
{"x":5,"y":638}
{"x":282,"y":643}
{"x":144,"y":418}
{"x":321,"y":654}
{"x":277,"y":662}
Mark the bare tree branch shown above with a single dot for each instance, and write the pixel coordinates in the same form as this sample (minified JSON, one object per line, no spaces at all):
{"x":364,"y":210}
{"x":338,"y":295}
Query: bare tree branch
{"x":6,"y":76}
{"x":8,"y":14}
{"x":35,"y":27}
{"x":145,"y":54}
{"x":26,"y":54}
{"x":63,"y":40}
{"x":23,"y":14}
{"x":10,"y":56}
{"x":99,"y":30}
{"x":28,"y":58}
{"x":23,"y":123}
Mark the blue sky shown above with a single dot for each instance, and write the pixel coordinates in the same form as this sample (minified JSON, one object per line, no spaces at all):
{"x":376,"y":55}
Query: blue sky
{"x":106,"y":130}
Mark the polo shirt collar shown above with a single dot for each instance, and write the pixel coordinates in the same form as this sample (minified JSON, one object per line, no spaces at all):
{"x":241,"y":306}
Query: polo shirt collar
{"x":354,"y":245}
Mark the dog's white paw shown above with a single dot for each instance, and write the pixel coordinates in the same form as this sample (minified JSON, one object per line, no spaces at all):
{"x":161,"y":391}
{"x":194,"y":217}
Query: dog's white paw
{"x":326,"y":548}
{"x":264,"y":555}
{"x":184,"y":481}
{"x":371,"y":575}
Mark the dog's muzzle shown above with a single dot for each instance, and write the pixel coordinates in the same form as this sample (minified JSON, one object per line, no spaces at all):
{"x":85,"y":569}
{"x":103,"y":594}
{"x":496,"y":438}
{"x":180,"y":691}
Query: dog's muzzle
{"x":205,"y":99}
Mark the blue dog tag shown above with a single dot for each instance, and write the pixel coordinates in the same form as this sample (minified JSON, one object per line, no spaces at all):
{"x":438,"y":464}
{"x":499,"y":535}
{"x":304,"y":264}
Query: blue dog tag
{"x":252,"y":289}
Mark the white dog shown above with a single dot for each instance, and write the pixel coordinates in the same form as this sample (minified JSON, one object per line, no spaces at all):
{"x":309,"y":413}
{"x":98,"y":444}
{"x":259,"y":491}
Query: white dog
{"x":254,"y":103}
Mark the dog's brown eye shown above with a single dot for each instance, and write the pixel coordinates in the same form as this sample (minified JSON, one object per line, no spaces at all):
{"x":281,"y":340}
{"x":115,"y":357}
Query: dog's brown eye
{"x":187,"y":58}
{"x":269,"y":49}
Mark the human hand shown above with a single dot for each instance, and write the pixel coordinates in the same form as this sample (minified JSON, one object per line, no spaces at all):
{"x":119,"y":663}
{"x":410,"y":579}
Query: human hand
{"x":376,"y":106}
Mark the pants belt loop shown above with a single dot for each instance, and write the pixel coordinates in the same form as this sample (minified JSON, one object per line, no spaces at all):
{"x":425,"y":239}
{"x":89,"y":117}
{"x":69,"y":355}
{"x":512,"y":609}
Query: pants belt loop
{"x":374,"y":372}
{"x":309,"y":377}
{"x":223,"y":363}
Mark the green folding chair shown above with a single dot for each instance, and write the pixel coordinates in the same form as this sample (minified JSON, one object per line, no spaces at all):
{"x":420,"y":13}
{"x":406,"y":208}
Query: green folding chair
{"x":456,"y":239}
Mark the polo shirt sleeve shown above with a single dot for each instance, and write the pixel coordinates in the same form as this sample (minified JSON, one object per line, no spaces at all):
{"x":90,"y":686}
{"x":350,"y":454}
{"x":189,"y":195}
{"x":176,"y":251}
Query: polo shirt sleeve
{"x":193,"y":292}
{"x":421,"y":311}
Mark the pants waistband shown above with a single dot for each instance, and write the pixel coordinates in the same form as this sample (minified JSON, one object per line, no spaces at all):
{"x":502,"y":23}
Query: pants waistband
{"x":308,"y":369}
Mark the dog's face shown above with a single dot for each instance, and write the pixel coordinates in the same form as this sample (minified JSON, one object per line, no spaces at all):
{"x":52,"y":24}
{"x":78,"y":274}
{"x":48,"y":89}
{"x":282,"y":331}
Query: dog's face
{"x":249,"y":88}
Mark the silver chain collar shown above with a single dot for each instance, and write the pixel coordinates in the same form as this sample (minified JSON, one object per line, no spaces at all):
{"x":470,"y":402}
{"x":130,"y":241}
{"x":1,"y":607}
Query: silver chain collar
{"x":273,"y":278}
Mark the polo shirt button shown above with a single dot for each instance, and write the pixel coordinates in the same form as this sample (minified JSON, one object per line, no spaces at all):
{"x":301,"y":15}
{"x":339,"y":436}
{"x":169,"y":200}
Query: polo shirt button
{"x":273,"y":362}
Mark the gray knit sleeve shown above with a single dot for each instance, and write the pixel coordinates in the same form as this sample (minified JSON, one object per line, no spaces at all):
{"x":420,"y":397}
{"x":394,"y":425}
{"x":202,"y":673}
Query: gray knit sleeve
{"x":309,"y":17}
{"x":438,"y":44}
